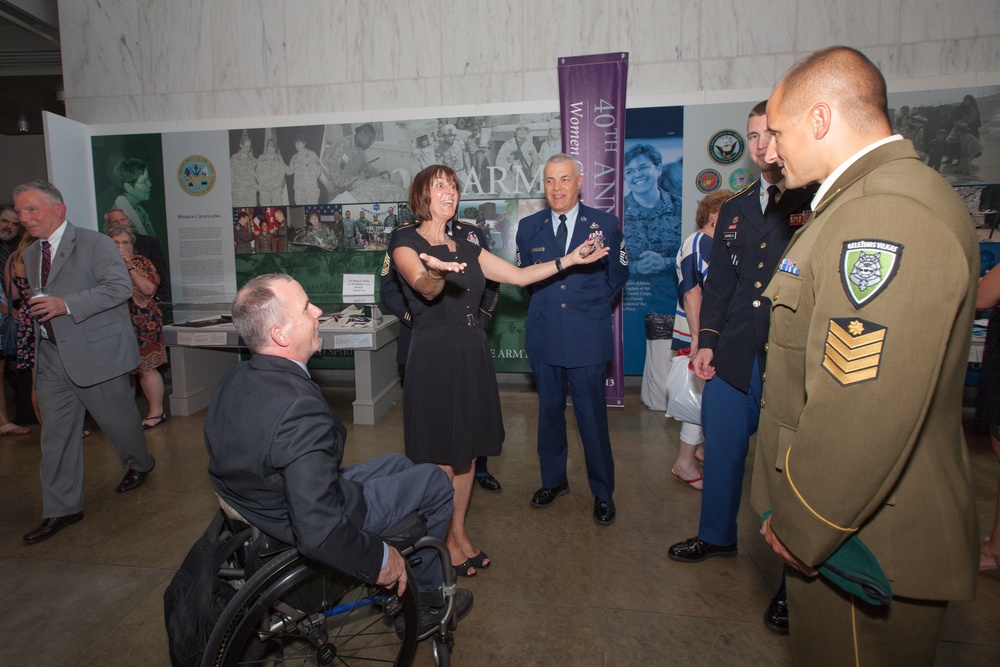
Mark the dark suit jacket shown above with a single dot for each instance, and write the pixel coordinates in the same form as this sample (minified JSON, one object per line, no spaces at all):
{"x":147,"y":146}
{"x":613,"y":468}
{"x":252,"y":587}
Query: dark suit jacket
{"x":391,"y":289}
{"x":746,"y":250}
{"x":96,"y":340}
{"x":149,"y":247}
{"x":275,"y":456}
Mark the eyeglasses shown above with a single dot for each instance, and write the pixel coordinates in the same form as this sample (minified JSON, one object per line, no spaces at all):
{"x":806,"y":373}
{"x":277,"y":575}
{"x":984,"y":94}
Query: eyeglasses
{"x":643,"y":168}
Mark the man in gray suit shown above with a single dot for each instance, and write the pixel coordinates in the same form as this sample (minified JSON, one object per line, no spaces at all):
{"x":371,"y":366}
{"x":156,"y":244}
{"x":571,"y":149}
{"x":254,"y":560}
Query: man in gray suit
{"x":85,"y":348}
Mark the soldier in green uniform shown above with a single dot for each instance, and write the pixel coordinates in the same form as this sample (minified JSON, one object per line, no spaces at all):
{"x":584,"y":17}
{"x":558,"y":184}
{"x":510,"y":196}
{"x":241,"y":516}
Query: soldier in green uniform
{"x":860,"y":435}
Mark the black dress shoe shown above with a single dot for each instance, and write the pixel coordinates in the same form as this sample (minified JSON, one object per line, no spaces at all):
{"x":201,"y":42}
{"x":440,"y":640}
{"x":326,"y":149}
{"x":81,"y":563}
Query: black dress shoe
{"x":51,"y":526}
{"x":133,"y":479}
{"x":776,"y":616}
{"x":604,"y":511}
{"x":543,"y":497}
{"x":695,"y":551}
{"x":489,"y":482}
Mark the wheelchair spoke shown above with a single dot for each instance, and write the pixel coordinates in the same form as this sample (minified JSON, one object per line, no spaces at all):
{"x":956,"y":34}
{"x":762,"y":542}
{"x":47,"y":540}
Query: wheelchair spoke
{"x":295,"y":613}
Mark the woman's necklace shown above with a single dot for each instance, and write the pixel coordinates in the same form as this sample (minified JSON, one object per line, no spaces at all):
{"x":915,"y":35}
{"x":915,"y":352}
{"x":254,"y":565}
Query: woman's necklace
{"x":435,"y":239}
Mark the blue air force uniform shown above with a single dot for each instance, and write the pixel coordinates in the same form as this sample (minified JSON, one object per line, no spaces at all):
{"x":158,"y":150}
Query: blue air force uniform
{"x":569,"y":341}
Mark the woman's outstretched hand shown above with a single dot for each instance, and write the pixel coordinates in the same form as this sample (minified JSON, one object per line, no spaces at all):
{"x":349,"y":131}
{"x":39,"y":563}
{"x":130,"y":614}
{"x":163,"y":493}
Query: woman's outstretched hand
{"x":442,"y":268}
{"x":587,"y":252}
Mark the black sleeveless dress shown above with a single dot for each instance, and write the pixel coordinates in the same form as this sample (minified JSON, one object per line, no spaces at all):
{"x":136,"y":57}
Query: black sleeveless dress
{"x":451,"y":405}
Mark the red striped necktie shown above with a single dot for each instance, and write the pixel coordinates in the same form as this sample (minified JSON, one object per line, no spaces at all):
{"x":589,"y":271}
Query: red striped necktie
{"x":46,"y":265}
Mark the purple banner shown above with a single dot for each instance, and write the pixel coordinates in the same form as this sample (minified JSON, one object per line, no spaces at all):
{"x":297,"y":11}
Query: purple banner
{"x":592,"y":109}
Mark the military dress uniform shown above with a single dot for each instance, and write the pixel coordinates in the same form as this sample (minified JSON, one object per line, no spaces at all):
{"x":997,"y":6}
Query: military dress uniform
{"x":861,"y":428}
{"x":747,"y":247}
{"x":568,"y":340}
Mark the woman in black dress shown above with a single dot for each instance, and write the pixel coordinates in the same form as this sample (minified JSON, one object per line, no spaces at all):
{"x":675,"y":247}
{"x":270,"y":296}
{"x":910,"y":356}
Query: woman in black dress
{"x":451,"y":406}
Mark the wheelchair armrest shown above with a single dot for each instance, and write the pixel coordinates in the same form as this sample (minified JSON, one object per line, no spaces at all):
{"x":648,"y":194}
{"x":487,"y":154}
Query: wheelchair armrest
{"x":405,"y":532}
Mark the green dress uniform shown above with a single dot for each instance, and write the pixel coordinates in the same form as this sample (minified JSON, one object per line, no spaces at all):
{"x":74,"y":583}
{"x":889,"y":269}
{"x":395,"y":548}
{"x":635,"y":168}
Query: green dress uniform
{"x":861,"y":428}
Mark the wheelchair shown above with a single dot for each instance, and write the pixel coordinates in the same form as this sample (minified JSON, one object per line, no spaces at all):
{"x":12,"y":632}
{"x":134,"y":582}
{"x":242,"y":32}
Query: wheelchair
{"x":289,"y":610}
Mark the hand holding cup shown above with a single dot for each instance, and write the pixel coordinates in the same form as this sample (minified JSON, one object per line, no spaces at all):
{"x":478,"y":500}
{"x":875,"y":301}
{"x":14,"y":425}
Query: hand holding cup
{"x":42,"y":305}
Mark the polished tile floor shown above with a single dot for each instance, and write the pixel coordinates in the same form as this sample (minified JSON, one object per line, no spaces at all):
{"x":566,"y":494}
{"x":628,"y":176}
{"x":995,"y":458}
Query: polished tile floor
{"x":562,"y":590}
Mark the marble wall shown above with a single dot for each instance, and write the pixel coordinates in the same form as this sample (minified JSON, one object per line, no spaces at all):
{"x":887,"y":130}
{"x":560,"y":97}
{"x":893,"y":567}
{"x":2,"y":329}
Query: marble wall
{"x":176,"y":60}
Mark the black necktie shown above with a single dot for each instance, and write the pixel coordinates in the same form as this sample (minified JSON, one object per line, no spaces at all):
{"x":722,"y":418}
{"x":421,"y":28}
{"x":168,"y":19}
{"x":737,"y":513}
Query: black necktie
{"x":561,"y":233}
{"x":772,"y":197}
{"x":46,"y":267}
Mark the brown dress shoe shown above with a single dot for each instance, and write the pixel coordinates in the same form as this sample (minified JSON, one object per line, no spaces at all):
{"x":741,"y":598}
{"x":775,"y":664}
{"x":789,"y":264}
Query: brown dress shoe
{"x":133,"y":479}
{"x":51,"y":526}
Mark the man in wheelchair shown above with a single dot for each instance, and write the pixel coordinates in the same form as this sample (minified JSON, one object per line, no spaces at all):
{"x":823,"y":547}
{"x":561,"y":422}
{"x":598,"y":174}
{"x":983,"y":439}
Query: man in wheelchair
{"x":277,"y":462}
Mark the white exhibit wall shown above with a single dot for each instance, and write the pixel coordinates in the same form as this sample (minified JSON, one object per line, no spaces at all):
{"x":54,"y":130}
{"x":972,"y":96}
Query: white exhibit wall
{"x":67,"y":152}
{"x":147,"y":61}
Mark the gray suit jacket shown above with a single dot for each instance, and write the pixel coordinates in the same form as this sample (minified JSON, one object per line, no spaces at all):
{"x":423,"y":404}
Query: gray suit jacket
{"x":96,"y":340}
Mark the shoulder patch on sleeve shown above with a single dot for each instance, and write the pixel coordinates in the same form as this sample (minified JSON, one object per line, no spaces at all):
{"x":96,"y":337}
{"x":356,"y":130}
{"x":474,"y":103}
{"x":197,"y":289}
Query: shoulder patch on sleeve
{"x":867,"y":266}
{"x":853,"y":351}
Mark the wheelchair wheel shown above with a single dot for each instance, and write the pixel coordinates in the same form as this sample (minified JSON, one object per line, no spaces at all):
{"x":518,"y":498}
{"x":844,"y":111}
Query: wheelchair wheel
{"x":295,"y":612}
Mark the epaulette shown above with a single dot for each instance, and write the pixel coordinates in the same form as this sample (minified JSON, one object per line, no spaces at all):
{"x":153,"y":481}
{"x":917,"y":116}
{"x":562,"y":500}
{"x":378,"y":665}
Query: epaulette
{"x":744,"y":190}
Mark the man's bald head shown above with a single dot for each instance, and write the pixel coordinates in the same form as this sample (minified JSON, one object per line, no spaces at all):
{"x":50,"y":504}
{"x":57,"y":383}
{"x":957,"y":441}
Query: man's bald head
{"x":844,"y":78}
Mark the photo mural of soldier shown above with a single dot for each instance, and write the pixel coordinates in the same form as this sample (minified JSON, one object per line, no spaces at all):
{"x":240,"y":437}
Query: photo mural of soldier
{"x":243,"y":231}
{"x":270,"y":173}
{"x":518,"y":158}
{"x":305,"y":169}
{"x":552,"y":143}
{"x":316,"y":233}
{"x":243,"y":167}
{"x":651,"y":223}
{"x":452,"y":152}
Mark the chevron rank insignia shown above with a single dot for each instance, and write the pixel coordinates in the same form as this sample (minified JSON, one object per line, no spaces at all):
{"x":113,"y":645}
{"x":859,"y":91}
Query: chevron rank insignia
{"x":853,"y":350}
{"x":385,"y":265}
{"x":867,"y":266}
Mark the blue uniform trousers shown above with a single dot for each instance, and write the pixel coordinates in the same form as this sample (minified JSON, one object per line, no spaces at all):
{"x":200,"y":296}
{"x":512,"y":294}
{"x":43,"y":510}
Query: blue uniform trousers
{"x":729,"y":417}
{"x":586,"y":387}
